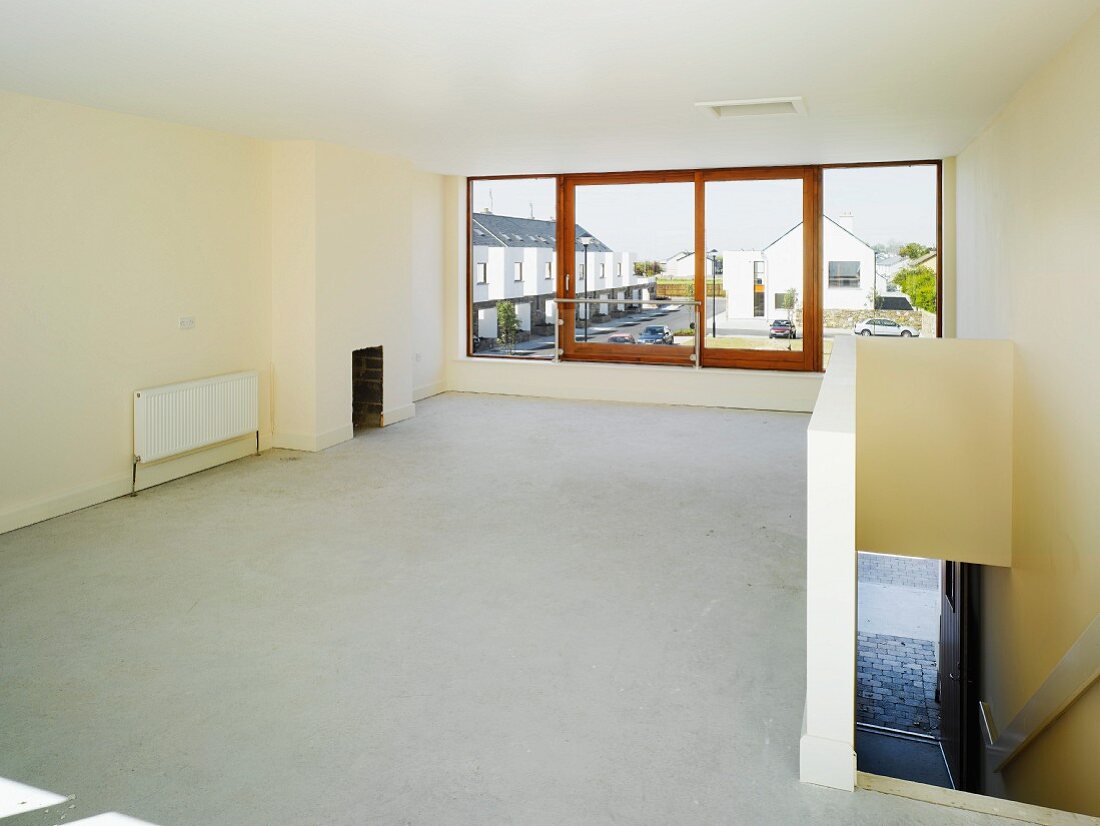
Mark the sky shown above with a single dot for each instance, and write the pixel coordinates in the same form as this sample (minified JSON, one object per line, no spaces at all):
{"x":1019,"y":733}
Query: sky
{"x":654,"y":221}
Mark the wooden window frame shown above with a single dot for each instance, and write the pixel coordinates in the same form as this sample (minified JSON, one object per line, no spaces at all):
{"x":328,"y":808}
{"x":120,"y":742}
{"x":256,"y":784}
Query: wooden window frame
{"x":573,"y":350}
{"x":938,"y":164}
{"x":810,"y":359}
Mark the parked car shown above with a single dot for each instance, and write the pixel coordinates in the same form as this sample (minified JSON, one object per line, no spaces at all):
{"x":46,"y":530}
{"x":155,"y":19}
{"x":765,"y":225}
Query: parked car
{"x":656,"y":334}
{"x":883,"y":327}
{"x":622,"y":338}
{"x":781,"y":328}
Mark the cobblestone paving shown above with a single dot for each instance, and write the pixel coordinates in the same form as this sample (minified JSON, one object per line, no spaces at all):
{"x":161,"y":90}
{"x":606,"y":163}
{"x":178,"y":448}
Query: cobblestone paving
{"x":896,"y":683}
{"x":899,"y":570}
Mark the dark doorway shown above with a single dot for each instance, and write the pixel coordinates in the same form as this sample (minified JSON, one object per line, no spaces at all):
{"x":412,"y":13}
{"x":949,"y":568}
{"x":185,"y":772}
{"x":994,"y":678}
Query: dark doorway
{"x":366,"y":387}
{"x":958,"y":673}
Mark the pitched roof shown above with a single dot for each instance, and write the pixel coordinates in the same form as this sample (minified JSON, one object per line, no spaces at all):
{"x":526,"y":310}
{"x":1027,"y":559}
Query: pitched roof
{"x":827,"y":218}
{"x":894,"y":302}
{"x":491,"y":230}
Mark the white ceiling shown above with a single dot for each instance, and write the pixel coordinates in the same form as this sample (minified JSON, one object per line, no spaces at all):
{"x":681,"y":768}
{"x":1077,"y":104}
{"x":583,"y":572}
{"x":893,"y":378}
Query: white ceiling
{"x":490,"y":87}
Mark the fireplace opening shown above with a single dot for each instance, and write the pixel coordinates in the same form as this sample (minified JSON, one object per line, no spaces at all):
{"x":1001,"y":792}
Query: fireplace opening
{"x":366,"y":387}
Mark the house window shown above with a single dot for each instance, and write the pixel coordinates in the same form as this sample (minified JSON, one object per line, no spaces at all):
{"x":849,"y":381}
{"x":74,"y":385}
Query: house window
{"x":619,"y":269}
{"x":780,"y":301}
{"x":758,"y":272}
{"x":843,"y":273}
{"x":494,"y":229}
{"x":603,"y":270}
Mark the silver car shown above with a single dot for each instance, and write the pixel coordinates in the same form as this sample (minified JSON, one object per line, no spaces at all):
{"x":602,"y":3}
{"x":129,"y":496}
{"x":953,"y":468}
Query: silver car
{"x":883,"y":327}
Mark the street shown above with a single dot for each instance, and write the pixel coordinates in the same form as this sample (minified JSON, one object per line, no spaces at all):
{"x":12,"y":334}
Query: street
{"x":674,"y":316}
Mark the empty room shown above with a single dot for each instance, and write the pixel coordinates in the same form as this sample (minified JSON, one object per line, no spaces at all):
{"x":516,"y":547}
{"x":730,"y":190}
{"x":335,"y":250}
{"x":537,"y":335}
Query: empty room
{"x":625,"y":413}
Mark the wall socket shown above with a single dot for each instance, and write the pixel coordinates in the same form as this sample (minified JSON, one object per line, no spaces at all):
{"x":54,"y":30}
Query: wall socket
{"x":187,"y":322}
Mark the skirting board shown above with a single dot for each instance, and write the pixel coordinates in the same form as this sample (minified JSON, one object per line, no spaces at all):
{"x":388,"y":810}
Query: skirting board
{"x":85,"y":496}
{"x":311,"y":443}
{"x":825,"y":762}
{"x":427,"y":390}
{"x":1074,"y":674}
{"x":1024,"y":812}
{"x":398,"y":414}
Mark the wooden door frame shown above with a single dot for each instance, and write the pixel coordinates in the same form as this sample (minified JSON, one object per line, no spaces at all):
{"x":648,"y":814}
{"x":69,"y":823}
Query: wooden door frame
{"x":965,"y":602}
{"x":573,"y":350}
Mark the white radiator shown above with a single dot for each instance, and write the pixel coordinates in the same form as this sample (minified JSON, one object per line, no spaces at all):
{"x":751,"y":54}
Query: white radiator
{"x":180,"y":417}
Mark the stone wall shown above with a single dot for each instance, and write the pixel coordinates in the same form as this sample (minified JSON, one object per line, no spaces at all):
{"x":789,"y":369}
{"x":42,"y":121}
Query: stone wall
{"x":847,"y":319}
{"x":685,"y":288}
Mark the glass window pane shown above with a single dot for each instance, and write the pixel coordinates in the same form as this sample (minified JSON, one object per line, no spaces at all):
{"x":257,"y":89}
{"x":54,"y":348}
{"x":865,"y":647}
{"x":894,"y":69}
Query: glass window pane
{"x":754,"y":268}
{"x":634,"y":245}
{"x":512,"y":231}
{"x":879,"y":243}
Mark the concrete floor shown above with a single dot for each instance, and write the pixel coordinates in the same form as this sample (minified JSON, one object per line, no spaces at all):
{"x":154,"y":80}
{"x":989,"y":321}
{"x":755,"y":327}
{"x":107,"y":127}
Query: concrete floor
{"x":504,"y":611}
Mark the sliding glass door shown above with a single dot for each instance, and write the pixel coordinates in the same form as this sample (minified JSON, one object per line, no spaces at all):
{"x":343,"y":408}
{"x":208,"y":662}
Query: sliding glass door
{"x":758,"y":236}
{"x":629,"y":281}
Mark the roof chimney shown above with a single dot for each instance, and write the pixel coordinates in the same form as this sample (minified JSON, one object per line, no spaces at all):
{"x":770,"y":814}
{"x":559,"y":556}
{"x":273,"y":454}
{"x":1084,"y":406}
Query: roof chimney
{"x":847,"y":221}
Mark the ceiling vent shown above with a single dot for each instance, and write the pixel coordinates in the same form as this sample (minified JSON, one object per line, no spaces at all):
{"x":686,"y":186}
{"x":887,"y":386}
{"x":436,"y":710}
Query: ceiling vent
{"x":759,"y":106}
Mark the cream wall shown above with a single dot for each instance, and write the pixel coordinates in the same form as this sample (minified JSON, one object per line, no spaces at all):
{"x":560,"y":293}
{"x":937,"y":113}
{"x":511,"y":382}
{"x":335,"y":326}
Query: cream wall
{"x":357,"y":236}
{"x":428,"y":301}
{"x":921,"y":403}
{"x":111,"y":228}
{"x":364,"y":282}
{"x":1028,"y":214}
{"x":288,"y":254}
{"x":294,"y":293}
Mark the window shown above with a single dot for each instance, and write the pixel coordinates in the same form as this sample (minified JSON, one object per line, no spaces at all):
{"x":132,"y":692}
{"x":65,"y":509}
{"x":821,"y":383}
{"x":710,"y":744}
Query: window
{"x":842,"y":243}
{"x":843,"y":273}
{"x":755,"y":222}
{"x":510,"y":315}
{"x":880,"y":227}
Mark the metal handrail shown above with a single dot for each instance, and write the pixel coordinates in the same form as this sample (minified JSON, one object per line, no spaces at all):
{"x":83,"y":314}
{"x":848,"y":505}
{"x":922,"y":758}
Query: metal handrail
{"x":628,"y":300}
{"x":691,"y":302}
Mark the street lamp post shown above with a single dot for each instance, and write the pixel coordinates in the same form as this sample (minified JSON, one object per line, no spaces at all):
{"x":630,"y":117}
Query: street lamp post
{"x":585,"y":241}
{"x":713,"y":297}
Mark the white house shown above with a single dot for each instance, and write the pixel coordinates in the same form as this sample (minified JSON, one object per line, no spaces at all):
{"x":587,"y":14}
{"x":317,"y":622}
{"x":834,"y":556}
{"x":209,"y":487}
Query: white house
{"x":682,"y":265}
{"x":756,"y":281}
{"x":516,"y":258}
